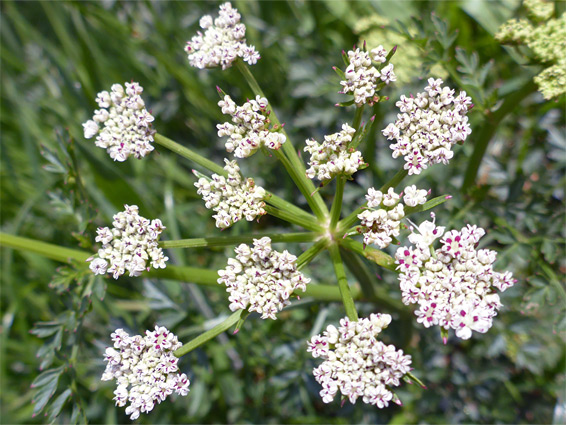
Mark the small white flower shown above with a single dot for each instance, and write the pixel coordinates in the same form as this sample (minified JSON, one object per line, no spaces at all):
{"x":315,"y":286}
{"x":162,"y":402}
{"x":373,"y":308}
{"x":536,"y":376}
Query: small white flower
{"x":222,"y":42}
{"x":98,"y":266}
{"x":231,"y":197}
{"x":379,"y":54}
{"x":428,"y":126}
{"x":356,"y":363}
{"x":362,"y":78}
{"x":145,"y":369}
{"x":453,"y":285}
{"x":413,"y":196}
{"x":90,"y":129}
{"x":122,"y":126}
{"x":249,"y":129}
{"x":261,"y":279}
{"x":131,"y":245}
{"x":333,"y":156}
{"x":387,"y":74}
{"x":381,"y":221}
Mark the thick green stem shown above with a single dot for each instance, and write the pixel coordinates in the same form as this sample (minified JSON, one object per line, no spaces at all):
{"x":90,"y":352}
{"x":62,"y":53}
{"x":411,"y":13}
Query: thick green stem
{"x":208,"y":335}
{"x":372,"y":292}
{"x":196,"y":275}
{"x":200,"y":276}
{"x":358,"y":117}
{"x":233,"y":240}
{"x":379,"y":257}
{"x":360,"y":271}
{"x":395,"y":180}
{"x":329,"y":292}
{"x":189,"y":154}
{"x":347,"y":222}
{"x":337,"y":203}
{"x":55,"y":252}
{"x":297,"y":169}
{"x":304,"y":184}
{"x":347,"y":299}
{"x":491,"y":124}
{"x":309,"y":255}
{"x":309,"y":224}
{"x":282,"y":204}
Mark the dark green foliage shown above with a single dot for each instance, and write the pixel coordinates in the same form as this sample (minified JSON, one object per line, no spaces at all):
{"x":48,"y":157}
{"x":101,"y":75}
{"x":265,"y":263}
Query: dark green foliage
{"x":58,"y":187}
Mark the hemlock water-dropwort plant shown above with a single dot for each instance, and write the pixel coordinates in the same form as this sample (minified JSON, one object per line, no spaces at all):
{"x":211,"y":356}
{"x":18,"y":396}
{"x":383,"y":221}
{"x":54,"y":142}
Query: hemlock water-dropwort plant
{"x":453,"y":285}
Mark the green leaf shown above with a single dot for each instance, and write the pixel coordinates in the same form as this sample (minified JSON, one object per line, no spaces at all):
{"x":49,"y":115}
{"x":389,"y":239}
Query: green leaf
{"x":549,"y":250}
{"x":45,"y":329}
{"x":99,"y":288}
{"x":47,"y":376}
{"x":45,"y":385}
{"x":78,"y":415}
{"x":54,"y":408}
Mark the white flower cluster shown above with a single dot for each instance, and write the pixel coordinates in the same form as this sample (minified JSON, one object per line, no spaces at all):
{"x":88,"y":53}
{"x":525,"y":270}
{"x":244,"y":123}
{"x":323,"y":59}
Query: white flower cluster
{"x":122,"y":125}
{"x":429,"y":125}
{"x":131,"y":245}
{"x":147,"y":366}
{"x":222,"y":42}
{"x":380,"y":225}
{"x":249,"y":129}
{"x":453,"y":285}
{"x":333,"y":157}
{"x":356,"y":363}
{"x":232,"y":197}
{"x":261,"y":279}
{"x":362,"y":77}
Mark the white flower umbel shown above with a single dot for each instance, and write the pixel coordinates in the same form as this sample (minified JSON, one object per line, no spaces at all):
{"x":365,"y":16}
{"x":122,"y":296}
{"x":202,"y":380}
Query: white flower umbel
{"x":232,"y":197}
{"x":381,"y":221}
{"x":122,"y":125}
{"x":333,"y":156}
{"x":145,"y":369}
{"x":358,"y":364}
{"x":428,"y":126}
{"x":261,"y":279}
{"x":222,"y":42}
{"x":130,"y":245}
{"x":249,"y":129}
{"x":362,"y":77}
{"x":454,"y":285}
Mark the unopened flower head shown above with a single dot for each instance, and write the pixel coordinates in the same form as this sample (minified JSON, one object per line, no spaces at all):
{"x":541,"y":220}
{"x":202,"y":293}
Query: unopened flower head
{"x":546,"y":37}
{"x":232,"y":197}
{"x":145,"y":369}
{"x":454,"y":286}
{"x":362,"y":78}
{"x":381,"y":220}
{"x":249,"y":129}
{"x":261,"y":279}
{"x":333,"y":156}
{"x":122,"y":125}
{"x":357,"y":363}
{"x":130,"y":245}
{"x":428,"y":126}
{"x":223,"y":41}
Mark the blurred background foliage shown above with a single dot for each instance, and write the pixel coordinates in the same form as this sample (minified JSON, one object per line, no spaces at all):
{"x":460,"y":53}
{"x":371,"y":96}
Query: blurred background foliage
{"x":57,"y":187}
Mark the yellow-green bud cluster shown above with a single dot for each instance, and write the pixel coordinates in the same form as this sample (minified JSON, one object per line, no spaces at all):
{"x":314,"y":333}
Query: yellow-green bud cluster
{"x":546,"y":37}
